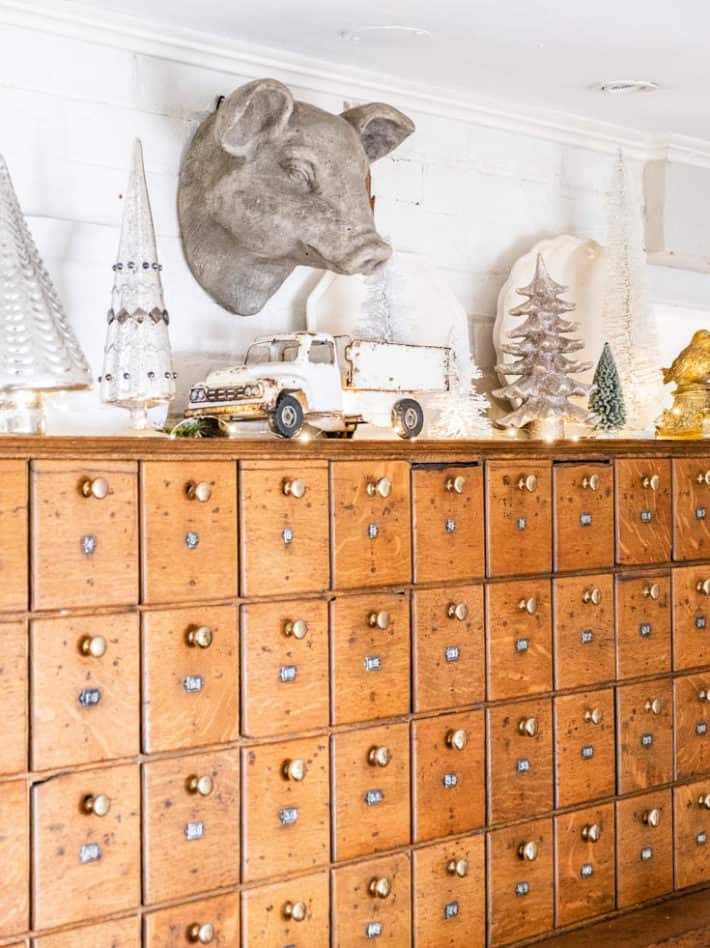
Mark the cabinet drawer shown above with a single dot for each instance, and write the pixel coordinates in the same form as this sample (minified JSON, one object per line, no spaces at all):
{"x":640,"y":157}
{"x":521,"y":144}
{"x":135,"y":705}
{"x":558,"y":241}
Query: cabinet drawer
{"x":370,"y":656}
{"x":84,"y":864}
{"x":519,"y":537}
{"x":189,"y":530}
{"x":372,"y":900}
{"x":586,"y":766}
{"x":190,"y":677}
{"x":184,"y":925}
{"x":285,"y":532}
{"x":122,"y":934}
{"x":13,"y":516}
{"x":286,"y":807}
{"x":450,"y":895}
{"x":692,"y":724}
{"x":85,"y":689}
{"x":191,"y":821}
{"x":585,"y":650}
{"x":519,"y":638}
{"x":372,"y":543}
{"x":520,"y":760}
{"x":84,"y":534}
{"x":585,"y":864}
{"x":644,"y":848}
{"x":691,"y":508}
{"x":584,"y":516}
{"x":691,"y":616}
{"x":643,"y":510}
{"x":289,"y":913}
{"x":284,"y":667}
{"x":520,"y":881}
{"x":448,"y":763}
{"x":691,"y":808}
{"x":371,"y":790}
{"x":449,"y":647}
{"x":448,"y":523}
{"x":644,"y":735}
{"x":643,"y":610}
{"x":13,"y":687}
{"x":14,"y":858}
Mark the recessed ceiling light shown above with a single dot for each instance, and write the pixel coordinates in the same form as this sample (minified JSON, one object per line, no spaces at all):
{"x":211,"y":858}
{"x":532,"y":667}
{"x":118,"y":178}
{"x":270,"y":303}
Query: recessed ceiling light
{"x":628,"y":86}
{"x":354,"y":36}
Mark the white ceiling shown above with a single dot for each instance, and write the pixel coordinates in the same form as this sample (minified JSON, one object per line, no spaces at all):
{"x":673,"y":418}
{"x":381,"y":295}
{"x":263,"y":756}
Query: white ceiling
{"x":544,"y":53}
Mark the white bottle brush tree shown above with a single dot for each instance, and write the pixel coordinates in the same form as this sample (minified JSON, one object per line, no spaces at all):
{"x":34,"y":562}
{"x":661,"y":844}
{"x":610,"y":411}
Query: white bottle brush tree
{"x":459,"y":412}
{"x":542,"y":363}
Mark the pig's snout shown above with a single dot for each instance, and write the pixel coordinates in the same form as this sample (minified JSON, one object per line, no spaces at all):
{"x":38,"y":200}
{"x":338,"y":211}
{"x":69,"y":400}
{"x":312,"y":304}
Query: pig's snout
{"x":366,"y":258}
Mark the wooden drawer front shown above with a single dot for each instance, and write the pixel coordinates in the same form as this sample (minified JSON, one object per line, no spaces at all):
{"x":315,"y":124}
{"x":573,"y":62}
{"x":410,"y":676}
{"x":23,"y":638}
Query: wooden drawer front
{"x":448,"y":523}
{"x":85,"y":689}
{"x":644,"y":735}
{"x":519,"y":537}
{"x":691,"y":508}
{"x":692,"y":725}
{"x":284,"y":667}
{"x":644,"y":848}
{"x":585,"y":651}
{"x":643,"y":510}
{"x":643,"y":611}
{"x":519,"y":638}
{"x":584,"y":516}
{"x":586,"y":749}
{"x":190,"y":678}
{"x":286,"y":807}
{"x":13,"y":687}
{"x":182,"y":925}
{"x":289,"y":913}
{"x":84,"y":548}
{"x":284,"y":528}
{"x":14,"y":858}
{"x":361,"y":915}
{"x":191,"y":820}
{"x":189,"y":530}
{"x":450,"y":895}
{"x":520,"y":881}
{"x":585,"y":864}
{"x":449,"y":647}
{"x":692,"y":834}
{"x":13,"y":523}
{"x":85,"y":865}
{"x":371,"y":790}
{"x":448,"y":763}
{"x":691,"y":616}
{"x":372,"y":533}
{"x":370,"y":653}
{"x":520,"y":760}
{"x":122,"y":934}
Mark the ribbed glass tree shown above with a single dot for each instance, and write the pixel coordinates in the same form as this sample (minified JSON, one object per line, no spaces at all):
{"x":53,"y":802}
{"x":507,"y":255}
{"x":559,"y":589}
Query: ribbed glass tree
{"x":607,"y":399}
{"x":542,"y":365}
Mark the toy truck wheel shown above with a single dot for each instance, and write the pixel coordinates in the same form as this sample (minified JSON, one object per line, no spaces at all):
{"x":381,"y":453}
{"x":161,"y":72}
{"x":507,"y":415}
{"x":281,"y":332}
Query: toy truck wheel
{"x":407,"y":418}
{"x":287,"y":419}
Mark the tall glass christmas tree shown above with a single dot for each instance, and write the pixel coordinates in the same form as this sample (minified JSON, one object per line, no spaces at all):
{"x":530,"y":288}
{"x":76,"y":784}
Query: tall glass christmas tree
{"x":138,"y":370}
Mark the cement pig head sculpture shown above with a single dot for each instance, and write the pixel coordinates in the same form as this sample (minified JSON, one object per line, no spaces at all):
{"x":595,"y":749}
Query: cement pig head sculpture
{"x":269,"y":183}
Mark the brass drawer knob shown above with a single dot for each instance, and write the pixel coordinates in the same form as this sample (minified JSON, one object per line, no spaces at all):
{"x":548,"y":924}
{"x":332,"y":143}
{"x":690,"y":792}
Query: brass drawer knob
{"x":652,"y":591}
{"x":295,"y":488}
{"x":703,"y":586}
{"x":98,"y":487}
{"x":703,"y":477}
{"x":528,"y":482}
{"x":379,"y":756}
{"x":528,"y":727}
{"x":382,"y":487}
{"x":456,"y":484}
{"x":298,"y":628}
{"x":98,"y":805}
{"x":594,"y":715}
{"x":591,"y":482}
{"x":199,"y":636}
{"x":457,"y":610}
{"x":295,"y":911}
{"x":704,"y":694}
{"x":457,"y":867}
{"x":653,"y":705}
{"x":591,"y":832}
{"x":593,"y":595}
{"x":294,"y":770}
{"x":704,"y":800}
{"x":651,"y":817}
{"x":528,"y":851}
{"x":528,"y":605}
{"x":456,"y":740}
{"x":379,"y":620}
{"x":200,"y":934}
{"x":379,"y":888}
{"x":93,"y":645}
{"x":199,"y":785}
{"x":199,"y":490}
{"x":652,"y":481}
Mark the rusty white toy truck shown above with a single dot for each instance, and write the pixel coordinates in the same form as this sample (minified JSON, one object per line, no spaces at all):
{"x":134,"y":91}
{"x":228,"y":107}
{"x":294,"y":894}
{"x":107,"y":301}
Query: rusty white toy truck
{"x":333,"y":383}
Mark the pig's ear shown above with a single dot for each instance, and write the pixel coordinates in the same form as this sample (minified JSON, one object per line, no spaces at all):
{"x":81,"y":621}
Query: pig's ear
{"x":251,"y":115}
{"x":381,"y":127}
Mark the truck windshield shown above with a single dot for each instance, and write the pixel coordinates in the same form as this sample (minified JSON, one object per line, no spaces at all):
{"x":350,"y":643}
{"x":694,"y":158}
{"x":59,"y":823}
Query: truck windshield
{"x":275,"y":350}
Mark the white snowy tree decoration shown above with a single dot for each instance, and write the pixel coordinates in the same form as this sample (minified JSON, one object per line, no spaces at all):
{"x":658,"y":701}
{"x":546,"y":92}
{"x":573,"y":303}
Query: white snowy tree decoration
{"x":459,"y":412}
{"x":384,"y":312}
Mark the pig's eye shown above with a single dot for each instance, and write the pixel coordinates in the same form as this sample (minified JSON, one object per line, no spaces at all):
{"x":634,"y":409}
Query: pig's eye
{"x":301,"y":173}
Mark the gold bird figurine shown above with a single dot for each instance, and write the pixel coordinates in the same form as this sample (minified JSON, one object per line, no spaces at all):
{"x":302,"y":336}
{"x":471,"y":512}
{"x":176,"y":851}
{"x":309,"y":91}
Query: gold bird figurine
{"x":692,"y":365}
{"x":690,"y":371}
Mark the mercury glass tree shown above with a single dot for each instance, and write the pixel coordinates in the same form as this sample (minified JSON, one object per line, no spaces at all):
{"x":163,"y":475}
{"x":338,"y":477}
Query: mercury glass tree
{"x":138,"y":370}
